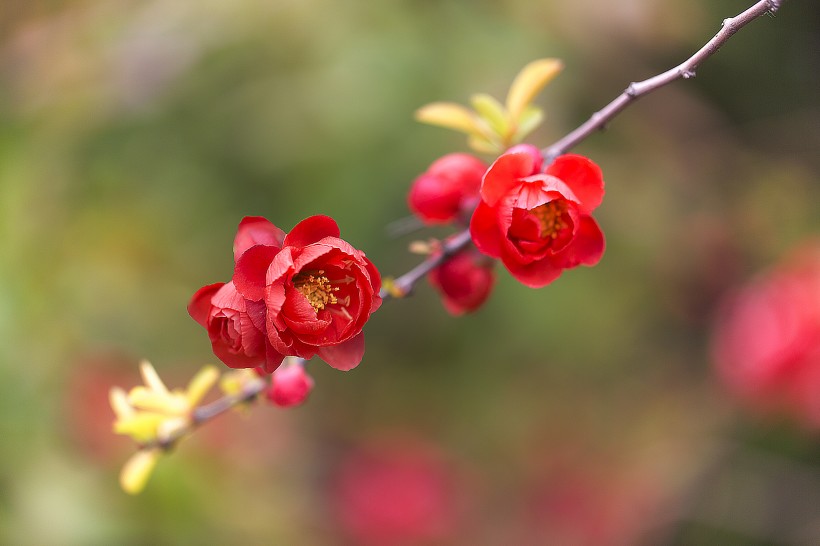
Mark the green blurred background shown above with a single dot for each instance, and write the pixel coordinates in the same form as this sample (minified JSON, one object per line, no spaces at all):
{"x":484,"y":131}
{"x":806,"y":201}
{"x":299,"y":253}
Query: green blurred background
{"x":134,"y":135}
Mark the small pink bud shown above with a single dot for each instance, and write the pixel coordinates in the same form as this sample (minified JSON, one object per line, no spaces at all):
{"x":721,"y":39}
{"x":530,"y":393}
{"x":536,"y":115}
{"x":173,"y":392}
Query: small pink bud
{"x":290,"y":386}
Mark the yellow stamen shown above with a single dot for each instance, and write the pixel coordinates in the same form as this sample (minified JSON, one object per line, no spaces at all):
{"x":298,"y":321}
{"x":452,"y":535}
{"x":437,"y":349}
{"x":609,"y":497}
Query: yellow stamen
{"x":551,"y":217}
{"x":316,"y":288}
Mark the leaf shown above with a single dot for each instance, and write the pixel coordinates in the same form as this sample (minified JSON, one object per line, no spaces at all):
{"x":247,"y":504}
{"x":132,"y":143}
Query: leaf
{"x":528,"y":122}
{"x":137,"y":470}
{"x":529,"y":82}
{"x":492,"y":112}
{"x":449,"y":115}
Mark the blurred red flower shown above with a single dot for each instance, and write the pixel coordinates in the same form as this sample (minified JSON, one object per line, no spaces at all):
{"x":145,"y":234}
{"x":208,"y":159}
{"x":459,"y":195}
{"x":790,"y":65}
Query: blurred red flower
{"x":464,"y":281}
{"x":538,"y":223}
{"x":447,"y":189}
{"x":767,"y":338}
{"x":307,"y":293}
{"x":396,"y":494}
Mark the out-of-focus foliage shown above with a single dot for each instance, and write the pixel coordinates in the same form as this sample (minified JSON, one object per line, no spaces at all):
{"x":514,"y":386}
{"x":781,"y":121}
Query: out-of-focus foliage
{"x":134,"y":135}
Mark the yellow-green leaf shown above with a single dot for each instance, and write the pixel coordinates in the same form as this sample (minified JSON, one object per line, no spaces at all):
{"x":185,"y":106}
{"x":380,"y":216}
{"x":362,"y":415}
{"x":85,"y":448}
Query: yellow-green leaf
{"x":529,"y":82}
{"x":201,"y":384}
{"x":529,"y":120}
{"x":449,"y":115}
{"x":481,"y":144}
{"x":137,"y":470}
{"x":492,"y":112}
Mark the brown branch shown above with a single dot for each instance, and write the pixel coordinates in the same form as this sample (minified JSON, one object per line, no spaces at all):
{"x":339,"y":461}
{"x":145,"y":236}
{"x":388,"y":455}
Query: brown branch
{"x":404,"y":285}
{"x":684,"y":70}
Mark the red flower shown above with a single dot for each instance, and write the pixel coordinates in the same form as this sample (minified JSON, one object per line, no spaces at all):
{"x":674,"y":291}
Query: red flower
{"x":235,"y":326}
{"x":401,"y":493}
{"x":318,"y":291}
{"x":448,"y":188}
{"x":539,"y":223}
{"x":767,"y":338}
{"x":290,"y":386}
{"x":464,"y":281}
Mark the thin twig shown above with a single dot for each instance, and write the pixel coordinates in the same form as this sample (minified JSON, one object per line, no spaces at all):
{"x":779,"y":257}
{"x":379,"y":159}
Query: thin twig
{"x":404,"y":284}
{"x":684,"y":70}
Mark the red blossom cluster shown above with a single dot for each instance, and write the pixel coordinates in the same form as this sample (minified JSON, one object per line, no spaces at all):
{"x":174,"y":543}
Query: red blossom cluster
{"x":303,"y":294}
{"x":767,"y":339}
{"x":536,"y":220}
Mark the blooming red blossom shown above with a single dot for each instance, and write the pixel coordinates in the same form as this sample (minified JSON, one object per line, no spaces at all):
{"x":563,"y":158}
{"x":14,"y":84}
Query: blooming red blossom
{"x":538,"y":223}
{"x":396,"y":494}
{"x":290,"y":386}
{"x":237,"y":339}
{"x":464,"y":281}
{"x":317,"y":291}
{"x":447,"y":189}
{"x":767,"y":338}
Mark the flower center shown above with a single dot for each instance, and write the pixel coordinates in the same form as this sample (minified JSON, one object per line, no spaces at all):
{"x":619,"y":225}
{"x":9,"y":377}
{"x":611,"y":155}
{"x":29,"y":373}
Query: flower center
{"x":551,"y":218}
{"x":316,"y":288}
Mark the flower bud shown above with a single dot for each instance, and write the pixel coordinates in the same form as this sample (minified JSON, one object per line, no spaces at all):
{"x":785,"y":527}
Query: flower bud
{"x":464,"y":281}
{"x":290,"y":386}
{"x":448,"y":188}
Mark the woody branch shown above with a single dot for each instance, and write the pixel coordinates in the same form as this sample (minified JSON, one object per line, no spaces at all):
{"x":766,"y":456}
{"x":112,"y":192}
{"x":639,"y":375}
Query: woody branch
{"x":685,"y":70}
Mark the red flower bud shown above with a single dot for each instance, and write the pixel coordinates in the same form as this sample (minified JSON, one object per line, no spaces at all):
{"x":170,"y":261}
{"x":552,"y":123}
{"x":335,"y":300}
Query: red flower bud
{"x":464,"y":281}
{"x":539,"y":223}
{"x":448,"y":188}
{"x":290,"y":386}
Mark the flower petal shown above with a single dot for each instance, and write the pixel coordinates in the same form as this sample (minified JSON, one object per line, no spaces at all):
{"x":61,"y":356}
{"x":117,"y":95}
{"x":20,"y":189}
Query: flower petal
{"x":503,"y":175}
{"x":344,"y":356}
{"x":485,"y":232}
{"x":255,"y":230}
{"x":536,"y":274}
{"x":311,"y":230}
{"x":582,"y":176}
{"x":200,"y":306}
{"x":251,"y":270}
{"x":586,"y":248}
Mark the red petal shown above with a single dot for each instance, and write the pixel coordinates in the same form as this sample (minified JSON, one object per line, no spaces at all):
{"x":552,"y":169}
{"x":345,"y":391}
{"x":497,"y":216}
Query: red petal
{"x":272,"y":358}
{"x":535,"y":274}
{"x":255,"y":230}
{"x":280,"y":267}
{"x":582,"y":176}
{"x":200,"y":306}
{"x":586,"y":247}
{"x":235,"y":360}
{"x":251,"y":270}
{"x":503,"y":175}
{"x":344,"y":356}
{"x":485,"y":232}
{"x":228,"y":298}
{"x":311,"y":230}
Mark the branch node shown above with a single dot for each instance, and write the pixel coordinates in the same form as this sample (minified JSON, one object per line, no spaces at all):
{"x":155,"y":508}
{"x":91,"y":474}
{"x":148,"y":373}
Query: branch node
{"x":774,"y":5}
{"x":631,"y":92}
{"x":686,"y":74}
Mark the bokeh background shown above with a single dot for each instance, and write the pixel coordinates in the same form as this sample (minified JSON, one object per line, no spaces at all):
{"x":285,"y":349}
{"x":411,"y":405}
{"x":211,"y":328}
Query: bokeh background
{"x":134,"y":135}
